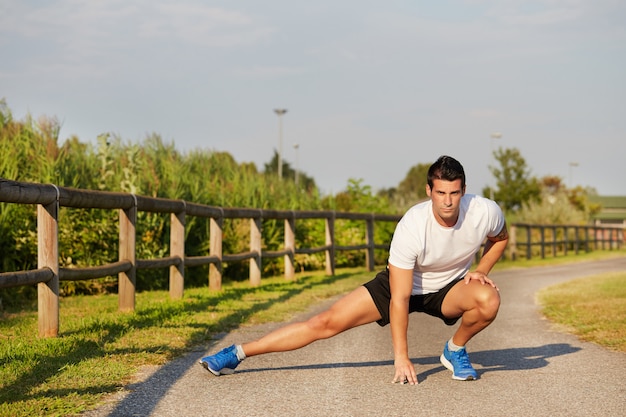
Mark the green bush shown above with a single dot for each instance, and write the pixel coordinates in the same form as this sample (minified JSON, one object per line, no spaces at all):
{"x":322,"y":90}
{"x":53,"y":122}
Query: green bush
{"x":89,"y":237}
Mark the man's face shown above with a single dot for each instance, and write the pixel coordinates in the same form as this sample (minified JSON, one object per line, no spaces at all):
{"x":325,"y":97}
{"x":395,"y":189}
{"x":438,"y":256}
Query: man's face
{"x":446,"y":198}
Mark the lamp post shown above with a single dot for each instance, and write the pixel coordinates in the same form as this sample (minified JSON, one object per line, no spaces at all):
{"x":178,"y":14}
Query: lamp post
{"x":296,"y":146}
{"x":571,"y":166}
{"x":494,"y":135}
{"x":280,"y":113}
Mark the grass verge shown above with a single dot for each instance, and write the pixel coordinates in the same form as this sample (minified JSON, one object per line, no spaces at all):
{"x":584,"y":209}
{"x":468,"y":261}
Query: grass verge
{"x":593,"y":308}
{"x":99,"y":349}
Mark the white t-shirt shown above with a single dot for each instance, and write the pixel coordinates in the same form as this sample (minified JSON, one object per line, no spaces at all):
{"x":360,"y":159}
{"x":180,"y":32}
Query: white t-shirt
{"x":439,"y":254}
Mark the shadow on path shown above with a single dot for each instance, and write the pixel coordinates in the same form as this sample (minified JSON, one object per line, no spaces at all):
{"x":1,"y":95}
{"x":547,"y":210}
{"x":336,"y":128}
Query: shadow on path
{"x":147,"y":394}
{"x":513,"y":359}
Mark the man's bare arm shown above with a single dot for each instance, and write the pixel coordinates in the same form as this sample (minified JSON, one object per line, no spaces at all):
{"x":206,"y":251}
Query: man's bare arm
{"x":494,"y":248}
{"x":401,"y":284}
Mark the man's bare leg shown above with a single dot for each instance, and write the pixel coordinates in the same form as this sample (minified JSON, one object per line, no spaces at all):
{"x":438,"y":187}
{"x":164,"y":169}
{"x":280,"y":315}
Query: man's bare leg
{"x":477,"y":303}
{"x":354,"y":309}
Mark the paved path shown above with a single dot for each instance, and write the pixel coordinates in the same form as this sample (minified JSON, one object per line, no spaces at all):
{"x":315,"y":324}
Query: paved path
{"x":525,"y":369}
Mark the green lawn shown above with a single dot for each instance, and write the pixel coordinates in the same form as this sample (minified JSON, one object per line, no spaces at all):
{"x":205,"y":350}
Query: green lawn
{"x":593,"y":308}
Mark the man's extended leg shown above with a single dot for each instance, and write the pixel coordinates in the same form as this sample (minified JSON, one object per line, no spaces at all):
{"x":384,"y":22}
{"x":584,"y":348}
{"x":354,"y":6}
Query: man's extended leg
{"x":354,"y":309}
{"x":478,"y":305}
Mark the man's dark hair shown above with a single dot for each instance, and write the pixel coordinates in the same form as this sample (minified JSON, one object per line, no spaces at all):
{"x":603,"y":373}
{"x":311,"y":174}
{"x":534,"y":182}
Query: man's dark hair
{"x":446,"y":168}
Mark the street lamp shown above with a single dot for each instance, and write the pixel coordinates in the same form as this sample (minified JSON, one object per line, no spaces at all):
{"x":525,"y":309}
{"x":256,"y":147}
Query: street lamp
{"x":296,"y":146}
{"x":280,"y":112}
{"x":571,"y":165}
{"x":494,"y":135}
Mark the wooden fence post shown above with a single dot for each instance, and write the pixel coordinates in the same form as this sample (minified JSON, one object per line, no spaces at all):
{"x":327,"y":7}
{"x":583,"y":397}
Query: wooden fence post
{"x":369,"y":254}
{"x":330,"y":239}
{"x":255,"y":247}
{"x":512,"y":245}
{"x":215,"y":249}
{"x":48,"y":257}
{"x":177,"y":248}
{"x":290,"y":246}
{"x":127,"y":281}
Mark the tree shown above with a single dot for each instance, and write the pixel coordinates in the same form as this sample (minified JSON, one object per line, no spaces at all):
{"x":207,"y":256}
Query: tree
{"x":357,"y":197}
{"x":413,"y":186}
{"x":515,"y":185}
{"x":411,"y":189}
{"x":579,"y":198}
{"x":305,"y":182}
{"x":552,"y":184}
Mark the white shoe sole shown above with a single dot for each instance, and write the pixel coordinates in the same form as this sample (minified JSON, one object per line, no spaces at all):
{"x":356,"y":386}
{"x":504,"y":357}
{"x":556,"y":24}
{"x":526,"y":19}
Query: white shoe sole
{"x":223,"y":371}
{"x":449,"y":366}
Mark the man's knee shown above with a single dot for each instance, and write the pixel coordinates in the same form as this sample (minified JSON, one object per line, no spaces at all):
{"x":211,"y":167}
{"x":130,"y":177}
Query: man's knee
{"x":487,"y":300}
{"x":321,"y":323}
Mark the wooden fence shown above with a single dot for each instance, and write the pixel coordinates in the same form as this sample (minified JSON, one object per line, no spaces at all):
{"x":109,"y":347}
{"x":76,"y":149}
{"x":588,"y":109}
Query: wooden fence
{"x":49,"y":198}
{"x":561,"y":240}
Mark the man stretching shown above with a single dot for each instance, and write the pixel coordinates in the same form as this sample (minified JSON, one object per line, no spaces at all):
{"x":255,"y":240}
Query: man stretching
{"x":432,"y":250}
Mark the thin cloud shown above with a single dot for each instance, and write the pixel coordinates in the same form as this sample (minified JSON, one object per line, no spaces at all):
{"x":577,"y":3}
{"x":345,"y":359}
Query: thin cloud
{"x":536,"y":13}
{"x":98,"y":39}
{"x":484,"y":114}
{"x":209,"y":26}
{"x":78,"y":25}
{"x":267,"y":71}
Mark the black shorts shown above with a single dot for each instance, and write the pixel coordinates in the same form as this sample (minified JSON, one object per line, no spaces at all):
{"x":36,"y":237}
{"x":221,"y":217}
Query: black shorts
{"x":426,"y":303}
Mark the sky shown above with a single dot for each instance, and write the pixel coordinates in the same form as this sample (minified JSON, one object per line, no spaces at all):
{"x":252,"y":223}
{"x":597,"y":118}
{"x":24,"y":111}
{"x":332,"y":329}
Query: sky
{"x":371,"y":88}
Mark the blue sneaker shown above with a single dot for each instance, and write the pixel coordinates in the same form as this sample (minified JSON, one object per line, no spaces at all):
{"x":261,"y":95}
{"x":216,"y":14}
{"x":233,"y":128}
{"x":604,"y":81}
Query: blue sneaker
{"x":223,"y":362}
{"x":458,"y":362}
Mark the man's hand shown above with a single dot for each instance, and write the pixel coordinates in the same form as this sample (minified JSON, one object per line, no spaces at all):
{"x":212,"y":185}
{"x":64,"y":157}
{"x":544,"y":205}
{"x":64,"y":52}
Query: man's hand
{"x":480,"y":277}
{"x":405,"y":372}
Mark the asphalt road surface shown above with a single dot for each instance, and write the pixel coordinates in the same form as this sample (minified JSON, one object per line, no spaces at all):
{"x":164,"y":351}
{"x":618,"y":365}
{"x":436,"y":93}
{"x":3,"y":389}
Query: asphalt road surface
{"x":526,"y":367}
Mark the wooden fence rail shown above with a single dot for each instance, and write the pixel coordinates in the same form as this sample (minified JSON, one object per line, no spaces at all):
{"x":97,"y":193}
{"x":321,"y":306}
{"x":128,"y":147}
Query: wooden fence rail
{"x":49,"y":198}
